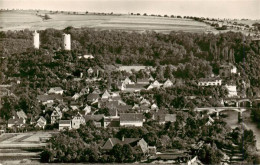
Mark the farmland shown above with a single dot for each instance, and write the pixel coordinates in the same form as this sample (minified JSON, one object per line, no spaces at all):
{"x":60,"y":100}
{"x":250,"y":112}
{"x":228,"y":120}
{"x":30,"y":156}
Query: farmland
{"x":16,"y":147}
{"x":19,"y":20}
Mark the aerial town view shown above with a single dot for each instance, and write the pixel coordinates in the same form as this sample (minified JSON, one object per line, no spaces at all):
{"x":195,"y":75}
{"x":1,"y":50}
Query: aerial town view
{"x":133,"y":82}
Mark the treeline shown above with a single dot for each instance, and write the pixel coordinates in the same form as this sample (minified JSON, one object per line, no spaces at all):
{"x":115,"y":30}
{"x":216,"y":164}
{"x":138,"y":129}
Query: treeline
{"x":149,"y":48}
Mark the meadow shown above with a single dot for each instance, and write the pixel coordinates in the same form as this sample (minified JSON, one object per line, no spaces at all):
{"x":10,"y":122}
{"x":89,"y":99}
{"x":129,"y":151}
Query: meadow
{"x":19,"y":20}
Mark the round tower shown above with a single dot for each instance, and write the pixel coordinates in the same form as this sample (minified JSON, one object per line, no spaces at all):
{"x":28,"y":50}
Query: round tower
{"x":36,"y":40}
{"x":66,"y":41}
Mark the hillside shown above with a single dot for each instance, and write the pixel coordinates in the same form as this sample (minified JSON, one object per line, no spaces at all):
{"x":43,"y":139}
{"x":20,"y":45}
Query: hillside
{"x":19,"y":20}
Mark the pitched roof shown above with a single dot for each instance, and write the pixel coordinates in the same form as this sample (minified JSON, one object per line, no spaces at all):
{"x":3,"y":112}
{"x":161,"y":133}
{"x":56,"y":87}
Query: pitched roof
{"x":135,"y":86}
{"x":106,"y":94}
{"x":94,"y":117}
{"x":167,"y":117}
{"x":209,"y":79}
{"x":167,"y":83}
{"x":111,"y":142}
{"x":65,"y":122}
{"x":55,"y":89}
{"x":93,"y":96}
{"x":44,"y":98}
{"x":21,"y":114}
{"x":144,"y":80}
{"x":41,"y":119}
{"x":15,"y":121}
{"x":131,"y":117}
{"x":88,"y":56}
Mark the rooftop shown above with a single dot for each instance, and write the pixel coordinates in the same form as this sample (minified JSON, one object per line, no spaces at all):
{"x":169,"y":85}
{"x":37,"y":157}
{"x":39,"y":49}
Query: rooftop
{"x":131,"y":117}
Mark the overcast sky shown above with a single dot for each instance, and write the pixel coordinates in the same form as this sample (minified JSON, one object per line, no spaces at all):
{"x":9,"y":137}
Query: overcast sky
{"x":206,"y":8}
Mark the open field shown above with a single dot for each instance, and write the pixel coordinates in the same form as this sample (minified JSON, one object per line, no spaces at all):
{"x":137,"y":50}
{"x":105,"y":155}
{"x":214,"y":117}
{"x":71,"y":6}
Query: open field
{"x":19,"y":20}
{"x":17,"y":147}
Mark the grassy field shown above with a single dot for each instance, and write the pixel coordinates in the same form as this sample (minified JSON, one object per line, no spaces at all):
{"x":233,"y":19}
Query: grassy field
{"x":19,"y":20}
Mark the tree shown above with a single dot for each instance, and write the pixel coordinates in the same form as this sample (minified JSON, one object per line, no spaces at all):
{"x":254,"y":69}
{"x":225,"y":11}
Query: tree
{"x":46,"y":17}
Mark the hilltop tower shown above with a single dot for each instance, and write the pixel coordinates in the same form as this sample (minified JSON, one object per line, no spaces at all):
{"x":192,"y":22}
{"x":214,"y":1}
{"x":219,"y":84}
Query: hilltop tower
{"x":36,"y":40}
{"x":66,"y":41}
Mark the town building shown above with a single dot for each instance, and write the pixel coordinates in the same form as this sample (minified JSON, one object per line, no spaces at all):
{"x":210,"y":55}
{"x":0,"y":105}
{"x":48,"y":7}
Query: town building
{"x":56,"y":90}
{"x":232,"y":90}
{"x":111,"y":121}
{"x":15,"y":122}
{"x":155,"y":84}
{"x":97,"y":119}
{"x":131,"y":119}
{"x":56,"y":116}
{"x":227,"y":70}
{"x":168,"y":84}
{"x":86,"y":56}
{"x":87,"y":109}
{"x":21,"y":115}
{"x":105,"y":95}
{"x":93,"y":97}
{"x":49,"y":99}
{"x":77,"y":121}
{"x":164,"y":118}
{"x":133,"y":142}
{"x":64,"y":124}
{"x":41,"y":122}
{"x":127,"y":81}
{"x":144,"y":81}
{"x":133,"y":87}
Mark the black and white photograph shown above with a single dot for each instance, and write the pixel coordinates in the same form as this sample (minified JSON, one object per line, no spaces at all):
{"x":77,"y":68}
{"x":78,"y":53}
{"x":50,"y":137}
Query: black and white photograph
{"x":141,"y":82}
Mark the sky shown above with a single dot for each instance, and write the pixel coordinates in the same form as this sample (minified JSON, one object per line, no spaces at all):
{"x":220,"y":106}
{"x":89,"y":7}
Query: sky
{"x":202,"y":8}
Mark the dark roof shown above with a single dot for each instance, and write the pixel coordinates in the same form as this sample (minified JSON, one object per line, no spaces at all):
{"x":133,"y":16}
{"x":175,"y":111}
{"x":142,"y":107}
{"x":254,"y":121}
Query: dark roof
{"x":93,"y":96}
{"x":131,"y":117}
{"x":209,"y":79}
{"x":15,"y":121}
{"x":123,"y":108}
{"x":113,"y":112}
{"x":167,"y":117}
{"x":144,"y":107}
{"x":111,"y":142}
{"x":136,"y":86}
{"x":49,"y":97}
{"x":144,"y":80}
{"x":94,"y":117}
{"x":64,"y":121}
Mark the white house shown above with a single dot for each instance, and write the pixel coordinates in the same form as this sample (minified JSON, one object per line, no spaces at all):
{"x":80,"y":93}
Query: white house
{"x":76,"y":96}
{"x":127,"y":81}
{"x":155,"y":84}
{"x":77,"y":121}
{"x":41,"y":122}
{"x":86,"y":56}
{"x":56,"y":90}
{"x":168,"y":84}
{"x":154,"y":107}
{"x":105,"y":95}
{"x":87,"y":109}
{"x":232,"y":90}
{"x":131,"y":119}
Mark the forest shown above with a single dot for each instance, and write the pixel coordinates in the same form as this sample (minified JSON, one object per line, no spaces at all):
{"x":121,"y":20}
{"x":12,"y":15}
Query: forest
{"x":178,"y":56}
{"x":181,"y":57}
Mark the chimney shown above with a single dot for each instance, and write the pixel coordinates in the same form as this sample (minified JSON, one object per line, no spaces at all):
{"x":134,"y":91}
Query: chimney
{"x":123,"y":138}
{"x":116,"y":113}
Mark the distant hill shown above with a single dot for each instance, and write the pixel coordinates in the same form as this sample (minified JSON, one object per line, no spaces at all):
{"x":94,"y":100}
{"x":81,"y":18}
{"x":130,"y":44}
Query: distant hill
{"x":31,"y":19}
